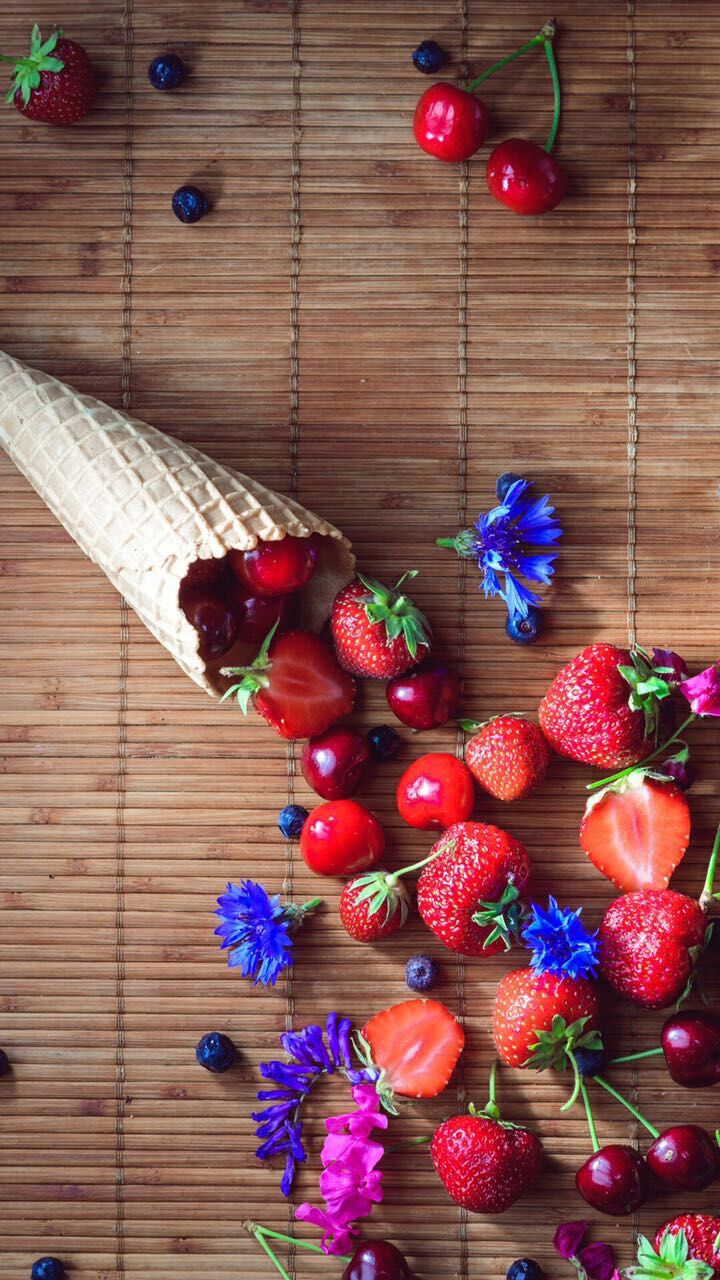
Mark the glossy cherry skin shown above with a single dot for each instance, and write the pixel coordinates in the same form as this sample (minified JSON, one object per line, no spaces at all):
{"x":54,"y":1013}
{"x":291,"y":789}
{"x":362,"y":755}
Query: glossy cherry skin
{"x":256,"y":615}
{"x":450,"y":123}
{"x":436,"y":791}
{"x":615,"y":1180}
{"x":275,"y":568}
{"x":521,"y":175}
{"x":335,"y":763}
{"x":685,"y":1156}
{"x":426,"y":696}
{"x":377,"y":1260}
{"x":691,"y":1044}
{"x":213,"y":621}
{"x":340,"y":838}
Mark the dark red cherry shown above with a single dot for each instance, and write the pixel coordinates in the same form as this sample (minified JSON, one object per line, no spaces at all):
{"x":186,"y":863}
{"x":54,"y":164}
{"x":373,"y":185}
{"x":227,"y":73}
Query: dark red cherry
{"x":685,"y":1156}
{"x":335,"y":763}
{"x":202,"y":573}
{"x":213,"y":621}
{"x":615,"y":1180}
{"x":691,"y":1044}
{"x":275,"y":568}
{"x":256,"y":615}
{"x":426,"y":696}
{"x":377,"y":1260}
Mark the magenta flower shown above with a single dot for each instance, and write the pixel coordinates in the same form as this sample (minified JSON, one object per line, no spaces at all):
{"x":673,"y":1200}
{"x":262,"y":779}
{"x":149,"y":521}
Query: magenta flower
{"x":569,"y":1237}
{"x":594,"y":1262}
{"x":703,"y":691}
{"x":350,"y":1183}
{"x":672,"y":666}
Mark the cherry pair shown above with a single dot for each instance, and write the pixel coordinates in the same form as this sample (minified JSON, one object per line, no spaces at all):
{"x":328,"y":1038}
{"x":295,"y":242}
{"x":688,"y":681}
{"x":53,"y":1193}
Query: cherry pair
{"x":452,"y":124}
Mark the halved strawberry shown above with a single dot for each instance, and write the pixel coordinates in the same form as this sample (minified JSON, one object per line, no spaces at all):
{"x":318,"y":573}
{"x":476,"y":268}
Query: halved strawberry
{"x":416,"y":1045}
{"x":636,"y":831}
{"x":295,"y":684}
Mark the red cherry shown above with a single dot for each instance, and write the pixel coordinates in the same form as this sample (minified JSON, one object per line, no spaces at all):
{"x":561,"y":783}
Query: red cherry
{"x":212,"y":620}
{"x":426,"y":696}
{"x":256,"y":615}
{"x":275,"y":568}
{"x":449,"y":122}
{"x":614,"y":1180}
{"x":691,"y":1044}
{"x":335,"y":763}
{"x":377,"y":1260}
{"x":436,"y":791}
{"x":202,"y":573}
{"x":685,"y":1156}
{"x":341,"y":838}
{"x":526,"y":178}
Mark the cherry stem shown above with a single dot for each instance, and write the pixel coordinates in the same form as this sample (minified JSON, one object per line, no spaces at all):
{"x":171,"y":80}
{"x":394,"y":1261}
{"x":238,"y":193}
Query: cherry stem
{"x":589,"y":1114}
{"x":616,"y":777}
{"x":707,"y":897}
{"x":577,"y":1083}
{"x":259,"y":1232}
{"x":409,"y":1142}
{"x":394,"y":876}
{"x":635,"y":1057}
{"x":271,"y":1254}
{"x":542,"y":37}
{"x":628,"y":1105}
{"x":557,"y":96}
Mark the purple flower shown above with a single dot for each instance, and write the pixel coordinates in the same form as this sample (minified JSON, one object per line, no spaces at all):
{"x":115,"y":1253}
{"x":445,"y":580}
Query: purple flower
{"x":703,"y":691}
{"x":569,"y":1237}
{"x":670,"y":665}
{"x":594,"y":1262}
{"x":257,"y":930}
{"x":560,"y":943}
{"x":598,"y":1260}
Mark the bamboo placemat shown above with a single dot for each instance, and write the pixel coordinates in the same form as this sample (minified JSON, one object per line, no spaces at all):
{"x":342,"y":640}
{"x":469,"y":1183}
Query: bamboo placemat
{"x":364,"y":327}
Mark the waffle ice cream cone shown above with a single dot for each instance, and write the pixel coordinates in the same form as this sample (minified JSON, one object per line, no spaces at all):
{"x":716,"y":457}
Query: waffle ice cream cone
{"x":144,"y":507}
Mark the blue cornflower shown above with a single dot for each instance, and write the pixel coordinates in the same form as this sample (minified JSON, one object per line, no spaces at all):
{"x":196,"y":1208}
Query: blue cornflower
{"x":506,"y":543}
{"x":279,"y":1125}
{"x":560,"y":943}
{"x":258,"y":930}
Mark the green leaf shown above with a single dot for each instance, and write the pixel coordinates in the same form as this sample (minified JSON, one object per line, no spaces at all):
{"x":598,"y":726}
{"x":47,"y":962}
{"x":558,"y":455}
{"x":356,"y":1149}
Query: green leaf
{"x":51,"y":64}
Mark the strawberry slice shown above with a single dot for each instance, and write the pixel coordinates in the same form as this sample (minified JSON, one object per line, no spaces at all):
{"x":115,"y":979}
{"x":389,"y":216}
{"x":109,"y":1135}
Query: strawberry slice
{"x":416,"y":1044}
{"x":295,"y":684}
{"x":636,"y":832}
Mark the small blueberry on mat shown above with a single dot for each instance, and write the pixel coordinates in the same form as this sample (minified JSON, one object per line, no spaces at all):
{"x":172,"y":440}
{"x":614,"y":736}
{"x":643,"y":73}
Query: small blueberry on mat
{"x":505,"y":482}
{"x":525,"y":1269}
{"x":216,"y":1052}
{"x":428,"y":57}
{"x":4,"y":1063}
{"x":524,"y":630}
{"x":384,"y":742}
{"x":590,"y":1062}
{"x":47,"y":1269}
{"x":421,"y":973}
{"x":190,"y":204}
{"x":291,"y":820}
{"x":166,"y":72}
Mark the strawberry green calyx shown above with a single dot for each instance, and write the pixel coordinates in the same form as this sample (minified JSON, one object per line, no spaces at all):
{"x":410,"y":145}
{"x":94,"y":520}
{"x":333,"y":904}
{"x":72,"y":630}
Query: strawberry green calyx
{"x":474,"y":726}
{"x":254,"y":678}
{"x":396,"y":612}
{"x":555,"y":1050}
{"x":671,"y":1261}
{"x":491,"y":1110}
{"x":649,"y":686}
{"x":505,"y":918}
{"x":388,"y":1099}
{"x":383,"y":890}
{"x":27,"y":72}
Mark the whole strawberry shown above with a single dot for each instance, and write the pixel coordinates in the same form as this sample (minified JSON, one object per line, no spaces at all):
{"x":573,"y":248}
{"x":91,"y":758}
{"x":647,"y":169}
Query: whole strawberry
{"x":687,"y":1238}
{"x":484,"y":1163}
{"x":470,"y":893}
{"x":509,"y":756}
{"x":603,"y":707}
{"x":536,"y":1015}
{"x":377,"y":630}
{"x":55,"y":83}
{"x":649,"y":944}
{"x":374,"y":906}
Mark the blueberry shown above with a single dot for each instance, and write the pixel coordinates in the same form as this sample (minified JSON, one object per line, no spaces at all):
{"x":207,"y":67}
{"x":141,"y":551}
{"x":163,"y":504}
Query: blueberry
{"x":428,"y":57}
{"x":216,"y":1052}
{"x":47,"y":1269}
{"x":291,"y":820}
{"x":4,"y":1063}
{"x":166,"y":71}
{"x":524,"y":630}
{"x":505,"y":482}
{"x":421,"y":973}
{"x":525,"y":1269}
{"x":590,"y":1061}
{"x":384,"y":741}
{"x":190,"y":204}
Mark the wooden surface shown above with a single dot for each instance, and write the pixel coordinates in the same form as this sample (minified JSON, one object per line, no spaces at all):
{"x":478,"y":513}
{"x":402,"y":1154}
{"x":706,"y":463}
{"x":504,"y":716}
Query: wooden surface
{"x":363,"y":326}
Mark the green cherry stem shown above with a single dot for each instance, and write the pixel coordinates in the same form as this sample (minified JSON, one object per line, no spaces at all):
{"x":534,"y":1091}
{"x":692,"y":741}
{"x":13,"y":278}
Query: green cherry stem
{"x":577,"y":1080}
{"x":590,"y":1116}
{"x":635,"y":1057}
{"x":628,"y":1105}
{"x":707,"y":897}
{"x":616,"y":777}
{"x":271,"y":1254}
{"x":557,"y":97}
{"x":542,"y":37}
{"x":260,"y":1232}
{"x":409,"y":1142}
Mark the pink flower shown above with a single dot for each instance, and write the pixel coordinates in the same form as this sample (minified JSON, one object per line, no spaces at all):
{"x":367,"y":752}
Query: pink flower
{"x":568,"y":1238}
{"x":350,"y":1184}
{"x":703,"y":691}
{"x":673,"y":667}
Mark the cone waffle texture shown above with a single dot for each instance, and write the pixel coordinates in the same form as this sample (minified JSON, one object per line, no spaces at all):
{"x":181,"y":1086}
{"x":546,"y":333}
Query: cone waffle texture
{"x":144,"y":507}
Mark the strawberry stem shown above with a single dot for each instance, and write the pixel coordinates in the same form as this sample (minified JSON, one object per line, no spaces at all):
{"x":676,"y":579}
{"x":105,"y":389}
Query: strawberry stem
{"x":615,"y":777}
{"x":577,"y":1079}
{"x":492,"y":1111}
{"x":547,"y":33}
{"x":409,"y":1142}
{"x":628,"y":1105}
{"x":635,"y":1057}
{"x":707,"y":897}
{"x":590,"y":1116}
